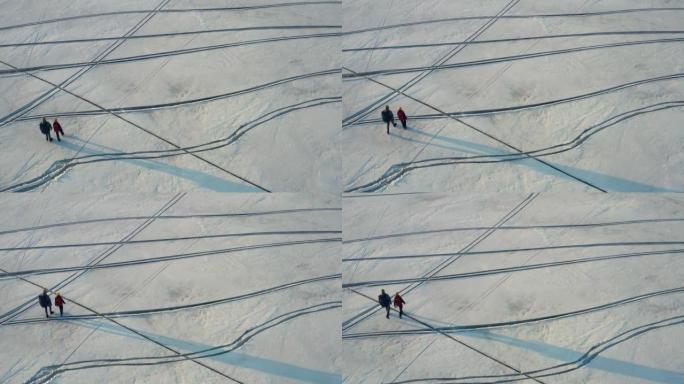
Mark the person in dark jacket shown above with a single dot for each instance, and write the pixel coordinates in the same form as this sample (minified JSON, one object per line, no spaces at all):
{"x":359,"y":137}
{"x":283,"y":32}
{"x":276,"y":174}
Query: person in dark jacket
{"x":402,"y":117}
{"x":58,"y":129}
{"x":398,"y":301}
{"x":45,"y":302}
{"x":384,"y":299}
{"x":45,"y":129}
{"x":59,"y":302}
{"x":388,"y":117}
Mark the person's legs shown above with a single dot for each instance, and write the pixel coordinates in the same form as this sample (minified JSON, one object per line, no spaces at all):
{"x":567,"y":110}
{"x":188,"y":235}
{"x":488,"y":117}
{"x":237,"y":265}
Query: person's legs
{"x":51,"y":312}
{"x":57,"y":134}
{"x":46,"y":313}
{"x":403,"y":123}
{"x":61,"y":310}
{"x":388,"y":127}
{"x":388,"y":309}
{"x":401,"y":310}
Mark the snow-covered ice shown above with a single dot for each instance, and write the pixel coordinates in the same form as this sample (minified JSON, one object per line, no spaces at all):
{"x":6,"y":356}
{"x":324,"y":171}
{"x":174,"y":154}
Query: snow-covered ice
{"x":262,"y":306}
{"x":569,"y":288}
{"x":252,"y":92}
{"x":487,"y":213}
{"x":597,"y":94}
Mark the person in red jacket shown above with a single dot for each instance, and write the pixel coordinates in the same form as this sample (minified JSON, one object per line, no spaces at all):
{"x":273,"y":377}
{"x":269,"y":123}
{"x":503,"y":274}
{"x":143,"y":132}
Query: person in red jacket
{"x":398,"y":300}
{"x":58,"y":129}
{"x":402,"y":117}
{"x":59,"y":302}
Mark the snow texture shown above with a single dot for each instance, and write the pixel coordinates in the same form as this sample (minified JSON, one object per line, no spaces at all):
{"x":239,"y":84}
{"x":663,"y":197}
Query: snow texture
{"x":163,"y":96}
{"x":594,"y":93}
{"x":576,"y":288}
{"x":260,"y":307}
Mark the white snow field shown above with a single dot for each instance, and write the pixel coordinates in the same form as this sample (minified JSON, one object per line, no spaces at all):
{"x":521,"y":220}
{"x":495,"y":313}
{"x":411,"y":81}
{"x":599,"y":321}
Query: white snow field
{"x":545,"y":288}
{"x":196,"y":288}
{"x":591,"y":89}
{"x":170,"y":95}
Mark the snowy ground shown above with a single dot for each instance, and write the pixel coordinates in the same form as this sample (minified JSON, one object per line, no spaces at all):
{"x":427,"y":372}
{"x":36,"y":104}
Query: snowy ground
{"x":597,"y":95}
{"x":517,"y":269}
{"x":276,"y":310}
{"x":271,"y":75}
{"x":603,"y":270}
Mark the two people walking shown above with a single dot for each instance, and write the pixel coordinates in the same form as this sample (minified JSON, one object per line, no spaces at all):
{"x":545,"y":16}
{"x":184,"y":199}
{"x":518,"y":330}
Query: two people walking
{"x":45,"y":302}
{"x":388,"y":117}
{"x":385,"y":300}
{"x":46,"y":127}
